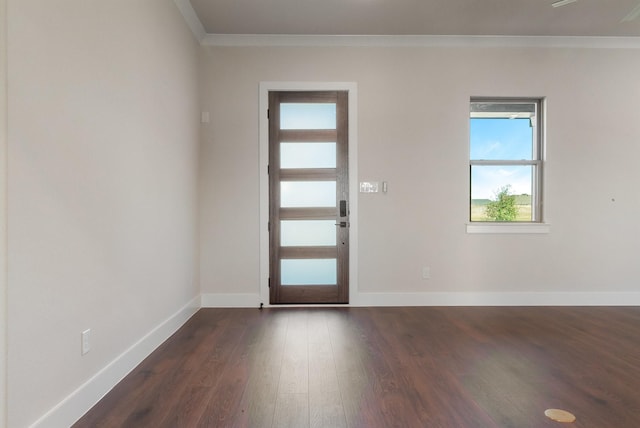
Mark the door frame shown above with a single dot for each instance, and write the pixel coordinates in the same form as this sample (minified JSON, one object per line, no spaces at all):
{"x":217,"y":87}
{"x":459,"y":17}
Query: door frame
{"x":265,"y":88}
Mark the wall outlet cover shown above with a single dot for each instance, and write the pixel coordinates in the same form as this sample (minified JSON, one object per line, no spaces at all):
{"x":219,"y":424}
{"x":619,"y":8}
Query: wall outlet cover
{"x":86,"y":341}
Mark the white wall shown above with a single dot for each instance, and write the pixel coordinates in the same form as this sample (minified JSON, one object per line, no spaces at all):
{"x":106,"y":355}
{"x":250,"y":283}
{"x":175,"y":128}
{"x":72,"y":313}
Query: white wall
{"x":3,"y":213}
{"x":413,"y":133}
{"x":103,"y":142}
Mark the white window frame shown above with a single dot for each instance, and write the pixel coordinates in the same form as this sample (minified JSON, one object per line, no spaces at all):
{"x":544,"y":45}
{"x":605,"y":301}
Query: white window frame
{"x":537,"y":163}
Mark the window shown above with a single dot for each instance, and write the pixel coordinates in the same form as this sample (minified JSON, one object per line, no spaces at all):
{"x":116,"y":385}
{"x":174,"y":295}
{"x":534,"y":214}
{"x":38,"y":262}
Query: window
{"x":505,"y":160}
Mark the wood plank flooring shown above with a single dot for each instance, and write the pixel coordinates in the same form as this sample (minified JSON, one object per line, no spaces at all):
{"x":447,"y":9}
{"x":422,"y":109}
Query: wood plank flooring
{"x":386,"y":367}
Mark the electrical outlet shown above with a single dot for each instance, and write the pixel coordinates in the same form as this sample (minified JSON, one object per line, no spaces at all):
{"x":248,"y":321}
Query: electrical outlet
{"x":86,"y":341}
{"x":426,"y":272}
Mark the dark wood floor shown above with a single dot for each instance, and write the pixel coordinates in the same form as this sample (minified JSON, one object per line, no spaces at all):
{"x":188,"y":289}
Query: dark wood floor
{"x":386,"y":367}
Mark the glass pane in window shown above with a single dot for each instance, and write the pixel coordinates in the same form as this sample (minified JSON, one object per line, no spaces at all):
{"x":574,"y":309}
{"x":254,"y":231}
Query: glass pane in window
{"x":501,"y":139}
{"x":307,"y":116}
{"x":307,"y":155}
{"x":301,"y":233}
{"x":308,"y":271}
{"x":501,"y":193}
{"x":299,"y":194}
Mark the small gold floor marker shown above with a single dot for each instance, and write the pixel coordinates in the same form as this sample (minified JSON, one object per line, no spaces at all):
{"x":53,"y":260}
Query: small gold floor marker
{"x":559,"y":415}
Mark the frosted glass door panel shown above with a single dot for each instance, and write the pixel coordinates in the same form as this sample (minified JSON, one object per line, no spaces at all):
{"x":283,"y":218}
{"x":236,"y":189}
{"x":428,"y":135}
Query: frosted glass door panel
{"x":300,"y":194}
{"x":307,"y":116}
{"x":308,"y":155}
{"x":304,"y":233}
{"x":308,"y":271}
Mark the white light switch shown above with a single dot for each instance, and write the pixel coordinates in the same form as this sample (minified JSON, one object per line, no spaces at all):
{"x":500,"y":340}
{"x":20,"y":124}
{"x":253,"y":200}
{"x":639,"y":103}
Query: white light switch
{"x":369,"y":187}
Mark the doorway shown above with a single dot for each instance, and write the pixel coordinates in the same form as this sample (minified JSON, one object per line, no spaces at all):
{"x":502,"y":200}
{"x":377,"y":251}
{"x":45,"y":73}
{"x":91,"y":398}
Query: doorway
{"x":308,"y":197}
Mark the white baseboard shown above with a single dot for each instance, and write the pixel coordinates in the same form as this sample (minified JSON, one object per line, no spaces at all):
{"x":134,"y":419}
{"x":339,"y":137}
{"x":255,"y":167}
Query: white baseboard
{"x":86,"y":396}
{"x":448,"y":299}
{"x":72,"y":408}
{"x":498,"y":299}
{"x":230,"y":300}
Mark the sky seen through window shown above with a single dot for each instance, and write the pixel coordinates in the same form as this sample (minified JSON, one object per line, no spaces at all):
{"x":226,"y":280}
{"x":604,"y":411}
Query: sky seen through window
{"x":500,"y":139}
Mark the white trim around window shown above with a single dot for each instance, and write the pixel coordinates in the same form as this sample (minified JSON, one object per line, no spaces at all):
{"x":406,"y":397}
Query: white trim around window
{"x":509,"y":228}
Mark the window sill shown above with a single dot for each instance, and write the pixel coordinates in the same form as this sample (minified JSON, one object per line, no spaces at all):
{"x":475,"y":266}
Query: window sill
{"x":514,"y":228}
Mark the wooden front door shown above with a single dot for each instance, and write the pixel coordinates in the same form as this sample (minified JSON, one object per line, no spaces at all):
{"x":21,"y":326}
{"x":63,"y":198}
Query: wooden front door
{"x":308,"y":197}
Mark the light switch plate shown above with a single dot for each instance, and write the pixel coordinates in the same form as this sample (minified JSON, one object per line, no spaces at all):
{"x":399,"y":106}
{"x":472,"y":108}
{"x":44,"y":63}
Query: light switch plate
{"x":369,"y":187}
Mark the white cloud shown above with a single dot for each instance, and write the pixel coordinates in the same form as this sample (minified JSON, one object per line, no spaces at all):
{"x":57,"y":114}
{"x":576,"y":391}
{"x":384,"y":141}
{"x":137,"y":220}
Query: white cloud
{"x":486,"y":181}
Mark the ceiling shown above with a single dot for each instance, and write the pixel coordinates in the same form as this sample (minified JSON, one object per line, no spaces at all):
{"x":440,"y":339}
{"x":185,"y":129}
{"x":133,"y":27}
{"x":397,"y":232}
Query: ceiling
{"x":594,"y":18}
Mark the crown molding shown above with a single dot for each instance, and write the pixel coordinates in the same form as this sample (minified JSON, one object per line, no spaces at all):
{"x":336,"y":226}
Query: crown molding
{"x":305,"y":40}
{"x":285,"y":40}
{"x":191,"y":19}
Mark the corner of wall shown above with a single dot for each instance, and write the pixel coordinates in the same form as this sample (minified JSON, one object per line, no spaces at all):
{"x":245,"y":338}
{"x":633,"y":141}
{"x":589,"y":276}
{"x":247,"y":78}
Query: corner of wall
{"x":191,"y":18}
{"x":3,"y":212}
{"x":72,"y":408}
